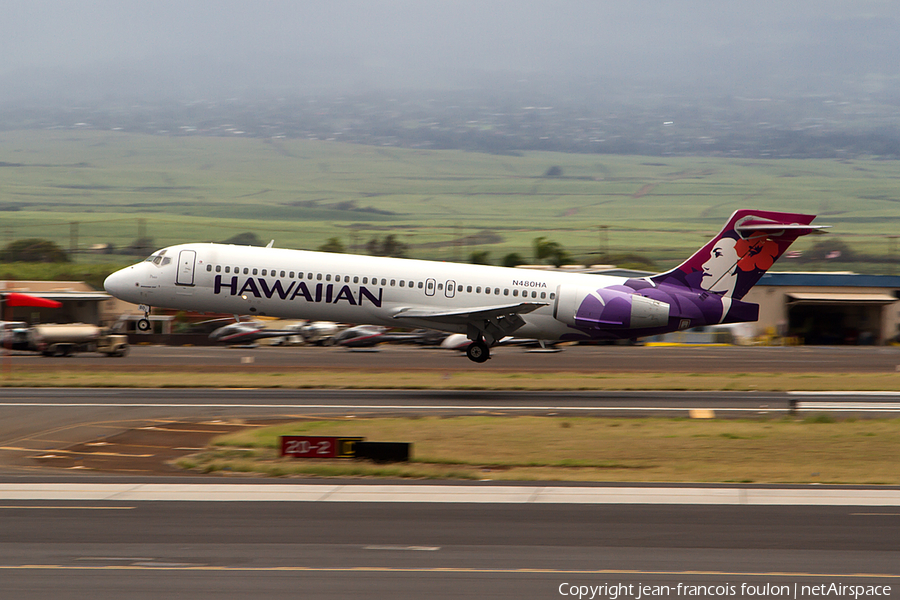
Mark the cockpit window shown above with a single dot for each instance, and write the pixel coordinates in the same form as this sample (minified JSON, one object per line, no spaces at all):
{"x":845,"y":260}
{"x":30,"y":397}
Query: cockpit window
{"x":158,"y":258}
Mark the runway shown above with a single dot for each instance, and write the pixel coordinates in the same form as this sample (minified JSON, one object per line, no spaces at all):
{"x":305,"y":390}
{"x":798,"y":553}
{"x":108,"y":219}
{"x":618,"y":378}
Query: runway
{"x":229,"y":549}
{"x":68,"y":534}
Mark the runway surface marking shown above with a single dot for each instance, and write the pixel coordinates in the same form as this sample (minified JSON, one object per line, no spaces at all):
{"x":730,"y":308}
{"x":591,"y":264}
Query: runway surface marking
{"x":347,"y":406}
{"x":35,"y":507}
{"x":875,"y":514}
{"x":60,"y":451}
{"x":886,"y":407}
{"x":842,"y":393}
{"x":454,"y":494}
{"x":434,"y":570}
{"x":858,"y":406}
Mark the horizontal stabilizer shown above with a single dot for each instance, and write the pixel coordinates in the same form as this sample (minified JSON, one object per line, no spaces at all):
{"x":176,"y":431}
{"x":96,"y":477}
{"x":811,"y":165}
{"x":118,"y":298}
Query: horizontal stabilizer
{"x":773,"y":227}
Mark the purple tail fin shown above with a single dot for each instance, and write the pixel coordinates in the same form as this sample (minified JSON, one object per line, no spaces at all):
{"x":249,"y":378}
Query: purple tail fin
{"x":735,"y":259}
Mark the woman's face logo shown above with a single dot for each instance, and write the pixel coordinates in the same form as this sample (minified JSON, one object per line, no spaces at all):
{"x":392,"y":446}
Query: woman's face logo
{"x":720,"y":270}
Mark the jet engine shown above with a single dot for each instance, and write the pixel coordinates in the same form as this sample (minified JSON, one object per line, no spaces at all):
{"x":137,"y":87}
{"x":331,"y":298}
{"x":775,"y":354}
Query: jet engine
{"x":584,"y":307}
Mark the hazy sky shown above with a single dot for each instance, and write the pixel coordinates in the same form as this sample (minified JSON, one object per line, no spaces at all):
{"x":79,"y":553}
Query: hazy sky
{"x":212,"y":47}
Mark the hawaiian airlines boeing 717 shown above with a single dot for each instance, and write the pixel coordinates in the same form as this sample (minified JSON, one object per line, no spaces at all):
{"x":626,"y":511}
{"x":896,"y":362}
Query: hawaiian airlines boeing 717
{"x":486,"y":303}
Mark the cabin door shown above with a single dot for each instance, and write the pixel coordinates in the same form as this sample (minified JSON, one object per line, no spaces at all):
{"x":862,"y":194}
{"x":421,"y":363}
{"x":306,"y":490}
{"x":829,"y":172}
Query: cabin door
{"x":186,"y":260}
{"x":450,"y":289}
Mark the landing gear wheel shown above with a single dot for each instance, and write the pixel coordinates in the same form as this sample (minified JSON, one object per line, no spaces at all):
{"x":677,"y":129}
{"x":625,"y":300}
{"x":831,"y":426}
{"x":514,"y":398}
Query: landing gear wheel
{"x":478,"y":351}
{"x":143,"y":325}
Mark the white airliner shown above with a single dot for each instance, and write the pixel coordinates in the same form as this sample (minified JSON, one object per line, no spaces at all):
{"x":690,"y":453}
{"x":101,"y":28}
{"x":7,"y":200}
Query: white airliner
{"x":485,"y":303}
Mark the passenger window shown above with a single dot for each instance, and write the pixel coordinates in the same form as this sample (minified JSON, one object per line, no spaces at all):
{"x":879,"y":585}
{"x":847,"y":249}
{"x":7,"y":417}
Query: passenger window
{"x":228,"y":269}
{"x":497,"y":291}
{"x":246,"y":271}
{"x":263,"y":273}
{"x":421,"y":285}
{"x":506,"y":292}
{"x":478,"y":290}
{"x":469,"y":288}
{"x":291,"y":275}
{"x":534,"y":294}
{"x":282,"y":273}
{"x":355,"y":279}
{"x":255,"y":271}
{"x":440,"y":286}
{"x":543,"y":295}
{"x":412,"y":284}
{"x":459,"y":289}
{"x":328,"y":278}
{"x":487,"y":290}
{"x":384,"y":282}
{"x":218,"y":268}
{"x":209,"y":267}
{"x":365,"y":280}
{"x":393,"y":282}
{"x":318,"y":277}
{"x":346,"y":279}
{"x":401,"y":283}
{"x":515,"y":292}
{"x":552,"y":296}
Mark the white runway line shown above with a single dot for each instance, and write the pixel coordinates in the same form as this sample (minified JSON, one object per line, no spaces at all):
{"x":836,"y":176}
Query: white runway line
{"x":488,"y":494}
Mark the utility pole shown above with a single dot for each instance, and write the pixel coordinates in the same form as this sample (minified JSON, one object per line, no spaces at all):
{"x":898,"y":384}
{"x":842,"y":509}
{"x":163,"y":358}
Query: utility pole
{"x":142,"y":233}
{"x":73,"y":238}
{"x":354,"y":239}
{"x":892,"y":254}
{"x":604,"y":242}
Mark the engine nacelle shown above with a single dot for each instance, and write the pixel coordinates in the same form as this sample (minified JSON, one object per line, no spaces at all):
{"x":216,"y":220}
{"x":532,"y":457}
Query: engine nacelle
{"x":584,"y":307}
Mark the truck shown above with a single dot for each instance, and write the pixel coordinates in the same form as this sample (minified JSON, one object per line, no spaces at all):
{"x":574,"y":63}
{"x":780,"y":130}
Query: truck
{"x":63,"y":339}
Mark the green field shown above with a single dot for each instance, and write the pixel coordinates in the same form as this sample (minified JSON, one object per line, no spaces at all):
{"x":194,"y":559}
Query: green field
{"x":785,"y":450}
{"x":443,"y":204}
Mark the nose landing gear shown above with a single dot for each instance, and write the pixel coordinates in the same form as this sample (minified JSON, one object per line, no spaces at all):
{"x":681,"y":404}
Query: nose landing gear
{"x":144,"y":325}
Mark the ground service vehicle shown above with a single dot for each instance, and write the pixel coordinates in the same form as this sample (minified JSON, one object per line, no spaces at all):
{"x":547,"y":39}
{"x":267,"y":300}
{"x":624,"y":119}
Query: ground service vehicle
{"x":62,"y":339}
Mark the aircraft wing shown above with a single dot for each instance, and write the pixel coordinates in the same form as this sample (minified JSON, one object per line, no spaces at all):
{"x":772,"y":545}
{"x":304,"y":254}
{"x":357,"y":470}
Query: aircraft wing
{"x":495,"y":321}
{"x":467,"y":315}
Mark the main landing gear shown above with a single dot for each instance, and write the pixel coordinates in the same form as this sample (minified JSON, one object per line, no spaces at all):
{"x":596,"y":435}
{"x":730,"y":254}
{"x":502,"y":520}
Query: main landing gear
{"x":478,"y":351}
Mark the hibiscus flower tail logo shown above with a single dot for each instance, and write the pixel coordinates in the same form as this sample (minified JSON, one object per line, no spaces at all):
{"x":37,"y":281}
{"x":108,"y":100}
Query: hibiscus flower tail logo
{"x":758,"y":251}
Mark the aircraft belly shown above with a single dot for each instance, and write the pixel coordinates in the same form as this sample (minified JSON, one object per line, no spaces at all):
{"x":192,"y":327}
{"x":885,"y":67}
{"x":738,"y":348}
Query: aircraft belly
{"x":542,"y":327}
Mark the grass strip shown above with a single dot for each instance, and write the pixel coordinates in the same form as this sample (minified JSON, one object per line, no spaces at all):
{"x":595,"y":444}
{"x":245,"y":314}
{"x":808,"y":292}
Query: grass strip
{"x":453,"y":380}
{"x":816,"y":449}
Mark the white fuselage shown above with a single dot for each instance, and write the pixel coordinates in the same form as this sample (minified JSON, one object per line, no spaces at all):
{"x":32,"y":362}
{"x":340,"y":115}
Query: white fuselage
{"x":297,"y":284}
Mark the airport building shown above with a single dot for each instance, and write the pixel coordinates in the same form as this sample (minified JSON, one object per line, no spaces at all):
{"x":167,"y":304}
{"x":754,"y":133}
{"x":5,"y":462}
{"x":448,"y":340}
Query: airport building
{"x":828,"y":308}
{"x":80,"y":303}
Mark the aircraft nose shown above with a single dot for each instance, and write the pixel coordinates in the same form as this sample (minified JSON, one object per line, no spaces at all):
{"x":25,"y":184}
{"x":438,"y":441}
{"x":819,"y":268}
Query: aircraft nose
{"x":122,"y":283}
